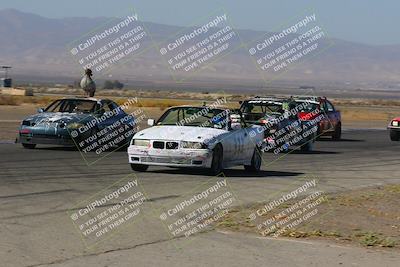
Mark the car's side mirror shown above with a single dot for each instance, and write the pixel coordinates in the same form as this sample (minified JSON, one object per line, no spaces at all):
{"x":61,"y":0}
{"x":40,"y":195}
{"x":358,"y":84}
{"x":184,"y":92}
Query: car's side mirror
{"x":150,"y":122}
{"x":40,"y":110}
{"x":236,"y":126}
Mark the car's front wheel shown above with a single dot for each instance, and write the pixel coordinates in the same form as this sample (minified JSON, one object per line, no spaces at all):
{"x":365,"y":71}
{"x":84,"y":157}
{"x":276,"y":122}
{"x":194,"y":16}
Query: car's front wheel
{"x":308,"y":146}
{"x":29,"y":146}
{"x":255,"y":161}
{"x":337,"y":134}
{"x":217,"y":159}
{"x":394,"y":135}
{"x":139,"y":167}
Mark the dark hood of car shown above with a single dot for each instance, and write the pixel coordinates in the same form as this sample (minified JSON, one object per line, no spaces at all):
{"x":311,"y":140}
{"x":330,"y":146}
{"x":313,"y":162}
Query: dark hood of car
{"x":58,"y":117}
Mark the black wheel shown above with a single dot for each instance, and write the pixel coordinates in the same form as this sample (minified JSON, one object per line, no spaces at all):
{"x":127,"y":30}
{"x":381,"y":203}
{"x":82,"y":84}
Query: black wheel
{"x":337,"y":133}
{"x":29,"y":146}
{"x":318,"y":137}
{"x":307,"y":147}
{"x":216,"y":163}
{"x":139,"y":167}
{"x":255,"y":161}
{"x":394,"y":135}
{"x":83,"y":137}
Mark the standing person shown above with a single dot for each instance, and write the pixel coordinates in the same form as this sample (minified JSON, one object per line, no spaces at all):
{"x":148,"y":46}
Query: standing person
{"x":87,"y":84}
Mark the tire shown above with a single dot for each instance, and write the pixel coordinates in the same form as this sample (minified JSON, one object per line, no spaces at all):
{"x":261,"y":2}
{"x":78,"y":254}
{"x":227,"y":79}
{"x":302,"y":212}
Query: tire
{"x":308,"y":146}
{"x":217,"y":159}
{"x":28,"y":146}
{"x":83,"y":137}
{"x":318,"y":137}
{"x":394,"y":135}
{"x":139,"y":167}
{"x":337,"y":133}
{"x":256,"y":160}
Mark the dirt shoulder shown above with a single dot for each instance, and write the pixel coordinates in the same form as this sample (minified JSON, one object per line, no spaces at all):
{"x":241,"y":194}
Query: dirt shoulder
{"x":367,"y":217}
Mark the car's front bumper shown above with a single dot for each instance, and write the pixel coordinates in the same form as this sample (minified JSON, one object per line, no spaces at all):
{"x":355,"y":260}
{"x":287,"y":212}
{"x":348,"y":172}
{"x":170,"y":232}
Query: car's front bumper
{"x":394,"y":128}
{"x":196,"y":158}
{"x":45,"y":139}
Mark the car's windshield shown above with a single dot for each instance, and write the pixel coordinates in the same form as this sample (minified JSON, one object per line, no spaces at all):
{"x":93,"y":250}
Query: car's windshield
{"x":195,"y":116}
{"x":72,"y":106}
{"x":261,"y":107}
{"x":305,"y":106}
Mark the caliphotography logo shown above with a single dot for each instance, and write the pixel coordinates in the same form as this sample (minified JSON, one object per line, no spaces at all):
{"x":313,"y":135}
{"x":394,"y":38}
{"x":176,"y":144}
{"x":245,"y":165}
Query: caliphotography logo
{"x":199,"y":133}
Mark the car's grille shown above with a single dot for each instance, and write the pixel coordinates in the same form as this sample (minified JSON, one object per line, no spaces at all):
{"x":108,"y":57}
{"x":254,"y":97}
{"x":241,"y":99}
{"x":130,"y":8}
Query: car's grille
{"x":158,"y":144}
{"x":174,"y":160}
{"x":172,"y":145}
{"x":165,"y":145}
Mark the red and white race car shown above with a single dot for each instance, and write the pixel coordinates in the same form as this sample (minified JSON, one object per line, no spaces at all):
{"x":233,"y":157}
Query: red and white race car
{"x":394,"y":128}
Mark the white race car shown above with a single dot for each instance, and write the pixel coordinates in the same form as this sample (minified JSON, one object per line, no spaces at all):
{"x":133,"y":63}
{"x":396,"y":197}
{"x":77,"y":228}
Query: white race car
{"x":197,"y":136}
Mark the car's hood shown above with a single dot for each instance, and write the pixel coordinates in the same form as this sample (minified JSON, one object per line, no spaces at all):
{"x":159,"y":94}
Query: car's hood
{"x":54,"y":117}
{"x":179,"y":133}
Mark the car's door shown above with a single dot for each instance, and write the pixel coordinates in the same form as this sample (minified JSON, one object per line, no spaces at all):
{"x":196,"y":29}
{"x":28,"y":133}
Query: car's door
{"x":331,"y":119}
{"x":334,"y":115}
{"x":233,"y":140}
{"x":325,"y":124}
{"x":244,"y":143}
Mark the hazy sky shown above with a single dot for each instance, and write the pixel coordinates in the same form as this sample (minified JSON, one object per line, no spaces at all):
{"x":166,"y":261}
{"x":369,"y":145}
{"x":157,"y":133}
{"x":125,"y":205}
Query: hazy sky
{"x":365,"y":21}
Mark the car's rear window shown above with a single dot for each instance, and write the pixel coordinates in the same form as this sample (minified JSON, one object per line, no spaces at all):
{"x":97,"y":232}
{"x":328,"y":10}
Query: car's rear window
{"x":261,"y":107}
{"x":307,"y":106}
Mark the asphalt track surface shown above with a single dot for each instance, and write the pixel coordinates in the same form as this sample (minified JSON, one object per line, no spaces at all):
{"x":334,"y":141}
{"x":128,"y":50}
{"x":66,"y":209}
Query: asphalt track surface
{"x":38,"y":187}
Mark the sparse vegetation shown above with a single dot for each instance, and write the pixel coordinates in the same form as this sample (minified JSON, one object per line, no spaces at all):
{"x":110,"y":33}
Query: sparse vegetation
{"x":368,"y":217}
{"x":375,"y":239}
{"x":10,"y":100}
{"x":113,"y":84}
{"x":19,"y":100}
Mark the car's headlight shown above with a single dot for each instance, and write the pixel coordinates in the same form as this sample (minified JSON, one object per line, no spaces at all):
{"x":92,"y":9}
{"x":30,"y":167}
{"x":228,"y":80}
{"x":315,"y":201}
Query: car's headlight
{"x":75,"y":125}
{"x":395,"y":123}
{"x":193,"y":145}
{"x":140,"y":142}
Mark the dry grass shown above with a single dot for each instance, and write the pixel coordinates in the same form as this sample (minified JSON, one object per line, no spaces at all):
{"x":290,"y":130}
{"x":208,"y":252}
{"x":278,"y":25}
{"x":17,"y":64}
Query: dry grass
{"x":365,"y":114}
{"x":145,"y":102}
{"x":353,"y":110}
{"x":135,"y":93}
{"x":366,"y":102}
{"x":367,"y":216}
{"x":19,"y":100}
{"x":10,"y":100}
{"x":159,"y":103}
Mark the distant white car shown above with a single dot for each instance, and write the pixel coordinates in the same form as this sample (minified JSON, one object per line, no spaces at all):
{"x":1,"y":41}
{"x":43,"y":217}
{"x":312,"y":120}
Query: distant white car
{"x":197,"y":136}
{"x":394,"y":128}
